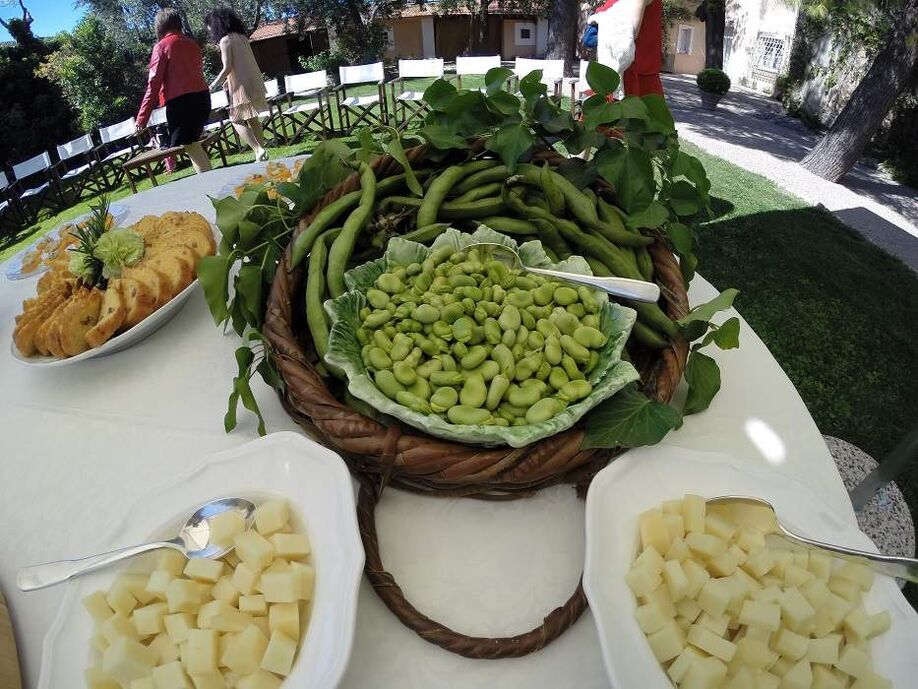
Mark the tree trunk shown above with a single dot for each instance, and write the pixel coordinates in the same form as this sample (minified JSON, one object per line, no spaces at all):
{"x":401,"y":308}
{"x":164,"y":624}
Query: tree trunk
{"x":562,"y":31}
{"x":889,"y":74}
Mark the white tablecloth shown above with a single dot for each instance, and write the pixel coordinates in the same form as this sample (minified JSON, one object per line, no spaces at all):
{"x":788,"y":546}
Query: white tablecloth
{"x":80,"y":443}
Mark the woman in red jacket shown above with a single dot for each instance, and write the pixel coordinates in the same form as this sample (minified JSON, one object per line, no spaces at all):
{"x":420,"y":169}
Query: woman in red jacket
{"x":177,"y":81}
{"x":642,"y":74}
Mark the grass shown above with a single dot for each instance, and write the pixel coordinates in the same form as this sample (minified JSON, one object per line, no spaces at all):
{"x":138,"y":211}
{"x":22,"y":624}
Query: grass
{"x":838,"y":313}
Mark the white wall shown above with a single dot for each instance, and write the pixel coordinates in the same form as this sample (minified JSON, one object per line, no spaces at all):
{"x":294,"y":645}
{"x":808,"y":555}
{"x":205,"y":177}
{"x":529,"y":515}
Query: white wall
{"x":746,"y":20}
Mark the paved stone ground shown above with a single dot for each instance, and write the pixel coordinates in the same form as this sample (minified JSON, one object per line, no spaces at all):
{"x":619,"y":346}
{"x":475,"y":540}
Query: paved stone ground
{"x":753,"y":132}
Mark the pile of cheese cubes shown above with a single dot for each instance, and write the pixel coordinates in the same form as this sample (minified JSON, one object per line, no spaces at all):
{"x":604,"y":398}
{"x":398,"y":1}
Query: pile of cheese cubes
{"x":209,"y":624}
{"x":722,"y":609}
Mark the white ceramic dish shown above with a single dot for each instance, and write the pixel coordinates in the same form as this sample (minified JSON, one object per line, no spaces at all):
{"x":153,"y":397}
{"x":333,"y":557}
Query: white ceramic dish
{"x":635,"y":483}
{"x":317,"y":485}
{"x":13,"y":269}
{"x":128,"y":338}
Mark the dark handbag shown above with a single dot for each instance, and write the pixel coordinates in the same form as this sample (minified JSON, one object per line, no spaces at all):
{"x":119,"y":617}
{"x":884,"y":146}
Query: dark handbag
{"x":590,"y":37}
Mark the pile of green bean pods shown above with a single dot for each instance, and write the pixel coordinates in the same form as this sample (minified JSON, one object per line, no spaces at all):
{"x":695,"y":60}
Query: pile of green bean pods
{"x":535,"y":202}
{"x":473,"y":341}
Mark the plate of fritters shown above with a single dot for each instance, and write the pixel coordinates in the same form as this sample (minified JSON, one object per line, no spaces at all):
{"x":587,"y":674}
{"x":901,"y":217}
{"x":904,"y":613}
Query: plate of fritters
{"x":67,"y":322}
{"x":275,"y":171}
{"x":38,"y":257}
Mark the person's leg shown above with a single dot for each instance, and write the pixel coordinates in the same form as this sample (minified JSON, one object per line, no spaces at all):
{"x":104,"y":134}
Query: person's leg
{"x":250,"y":131}
{"x":199,"y":159}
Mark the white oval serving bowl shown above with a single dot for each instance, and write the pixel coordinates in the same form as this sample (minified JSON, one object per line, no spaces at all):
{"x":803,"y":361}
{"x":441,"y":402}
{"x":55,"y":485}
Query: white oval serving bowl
{"x":318,"y":487}
{"x":637,"y":482}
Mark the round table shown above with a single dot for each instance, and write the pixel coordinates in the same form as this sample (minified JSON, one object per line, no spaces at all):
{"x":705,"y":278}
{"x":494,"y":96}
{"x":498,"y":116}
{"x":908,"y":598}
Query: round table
{"x":81,"y":443}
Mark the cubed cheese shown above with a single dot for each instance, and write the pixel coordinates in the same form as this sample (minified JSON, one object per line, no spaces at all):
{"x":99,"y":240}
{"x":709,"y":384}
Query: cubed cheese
{"x":760,"y":563}
{"x":244,"y":579}
{"x":871,"y":681}
{"x":119,"y":625}
{"x":260,"y":679}
{"x":790,"y":645}
{"x":705,"y":545}
{"x":653,"y":531}
{"x":660,"y":596}
{"x":177,"y":626}
{"x":225,"y":526}
{"x":688,"y":608}
{"x":165,"y":649}
{"x":857,"y":625}
{"x":171,"y":561}
{"x":642,"y":580}
{"x":650,"y":559}
{"x":675,"y":525}
{"x":824,"y":679}
{"x":98,"y":607}
{"x":279,"y":654}
{"x":204,"y":569}
{"x":148,"y":620}
{"x":694,"y":509}
{"x":760,"y":614}
{"x":800,"y":676}
{"x":796,"y":575}
{"x":846,"y":588}
{"x":120,"y":599}
{"x":244,"y":652}
{"x":824,"y":650}
{"x":292,"y":546}
{"x":225,"y":591}
{"x":648,"y":616}
{"x":254,"y":550}
{"x":667,"y":642}
{"x":715,"y":597}
{"x":709,"y":642}
{"x":707,"y":673}
{"x":171,"y":676}
{"x":209,"y":611}
{"x":281,"y":587}
{"x":254,"y":604}
{"x":678,"y":550}
{"x":158,"y":583}
{"x":285,"y":618}
{"x":719,"y":526}
{"x":858,"y":573}
{"x":820,"y":566}
{"x":795,"y":609}
{"x":754,"y":653}
{"x":853,"y":661}
{"x":680,"y":666}
{"x":271,"y":516}
{"x":676,"y":581}
{"x":183,"y":595}
{"x":697,"y":577}
{"x":126,"y":660}
{"x":201,"y":651}
{"x":879,"y":622}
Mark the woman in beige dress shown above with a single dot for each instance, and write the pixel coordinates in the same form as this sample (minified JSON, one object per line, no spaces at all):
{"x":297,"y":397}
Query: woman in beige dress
{"x":240,"y":71}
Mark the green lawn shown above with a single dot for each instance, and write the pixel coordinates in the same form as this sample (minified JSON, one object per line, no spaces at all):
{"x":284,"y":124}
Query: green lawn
{"x":838,"y":313}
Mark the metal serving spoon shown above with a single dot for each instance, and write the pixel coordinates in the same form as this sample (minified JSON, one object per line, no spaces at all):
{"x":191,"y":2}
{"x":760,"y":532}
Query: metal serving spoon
{"x":760,"y":514}
{"x":193,"y":541}
{"x":636,"y":290}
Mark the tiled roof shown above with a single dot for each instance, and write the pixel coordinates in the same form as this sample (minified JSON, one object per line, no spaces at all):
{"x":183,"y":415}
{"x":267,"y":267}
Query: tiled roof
{"x":279,"y":28}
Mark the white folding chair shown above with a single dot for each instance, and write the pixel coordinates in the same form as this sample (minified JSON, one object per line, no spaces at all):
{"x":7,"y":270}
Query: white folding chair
{"x":410,"y":103}
{"x":370,"y":108}
{"x":308,"y":116}
{"x":552,"y":73}
{"x":270,"y":118}
{"x":31,"y":198}
{"x":76,"y":179}
{"x":475,"y":66}
{"x":220,"y":124}
{"x":118,"y":144}
{"x":579,"y":88}
{"x":9,"y":209}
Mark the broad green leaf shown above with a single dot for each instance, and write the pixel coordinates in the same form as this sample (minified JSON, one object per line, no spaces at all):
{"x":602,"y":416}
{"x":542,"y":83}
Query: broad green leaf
{"x":687,"y":265}
{"x":511,"y":142}
{"x":596,"y":113}
{"x":681,"y":237}
{"x":241,"y":386}
{"x":230,"y":211}
{"x":726,"y":336}
{"x":440,"y":137}
{"x":684,"y":199}
{"x":292,"y":191}
{"x":705,"y":312}
{"x":630,"y":172}
{"x":269,"y":374}
{"x":213,"y":272}
{"x":531,"y":86}
{"x":577,"y":171}
{"x":694,"y":330}
{"x":439,"y":94}
{"x":629,"y":419}
{"x":504,"y":103}
{"x":552,"y":118}
{"x":703,"y":377}
{"x":691,"y":168}
{"x":653,"y":216}
{"x":602,"y":79}
{"x":249,"y":290}
{"x":249,"y":232}
{"x":229,"y":419}
{"x":633,"y":108}
{"x":661,"y":119}
{"x":495,"y":79}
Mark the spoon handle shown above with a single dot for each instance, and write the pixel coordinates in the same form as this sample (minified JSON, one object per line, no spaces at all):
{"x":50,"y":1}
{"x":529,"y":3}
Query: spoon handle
{"x":890,"y":565}
{"x":636,"y":290}
{"x":51,"y":573}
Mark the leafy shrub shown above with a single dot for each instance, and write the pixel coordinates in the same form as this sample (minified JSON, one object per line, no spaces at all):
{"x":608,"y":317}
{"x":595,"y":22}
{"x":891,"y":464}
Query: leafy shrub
{"x":713,"y":80}
{"x":899,"y":144}
{"x":99,"y":79}
{"x":328,"y":60}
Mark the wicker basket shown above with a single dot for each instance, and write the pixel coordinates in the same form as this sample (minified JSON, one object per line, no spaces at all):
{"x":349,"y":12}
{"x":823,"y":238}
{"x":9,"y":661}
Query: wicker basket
{"x":387,"y":454}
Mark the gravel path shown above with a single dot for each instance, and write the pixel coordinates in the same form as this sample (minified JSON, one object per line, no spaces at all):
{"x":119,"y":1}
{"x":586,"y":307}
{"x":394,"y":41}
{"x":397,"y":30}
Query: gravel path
{"x":752,"y":131}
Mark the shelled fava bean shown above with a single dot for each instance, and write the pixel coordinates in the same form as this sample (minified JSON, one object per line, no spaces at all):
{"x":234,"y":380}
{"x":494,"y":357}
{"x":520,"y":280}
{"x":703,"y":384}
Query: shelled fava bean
{"x":473,"y":341}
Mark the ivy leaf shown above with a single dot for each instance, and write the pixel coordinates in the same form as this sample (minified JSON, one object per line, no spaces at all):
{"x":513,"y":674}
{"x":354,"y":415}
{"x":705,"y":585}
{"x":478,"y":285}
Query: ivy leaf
{"x":249,"y":232}
{"x":213,"y":272}
{"x":653,"y":216}
{"x":691,"y":168}
{"x":630,"y":171}
{"x":510,"y":142}
{"x":705,"y":312}
{"x":552,"y":118}
{"x":687,"y":265}
{"x":229,"y":419}
{"x":269,"y":374}
{"x":596,"y":113}
{"x":244,"y":357}
{"x":230,"y":211}
{"x":602,"y":79}
{"x":531,"y":86}
{"x":439,"y":94}
{"x":629,"y":419}
{"x":243,"y":391}
{"x":703,"y":377}
{"x":725,"y":337}
{"x":440,"y":137}
{"x":495,"y":78}
{"x":633,"y":108}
